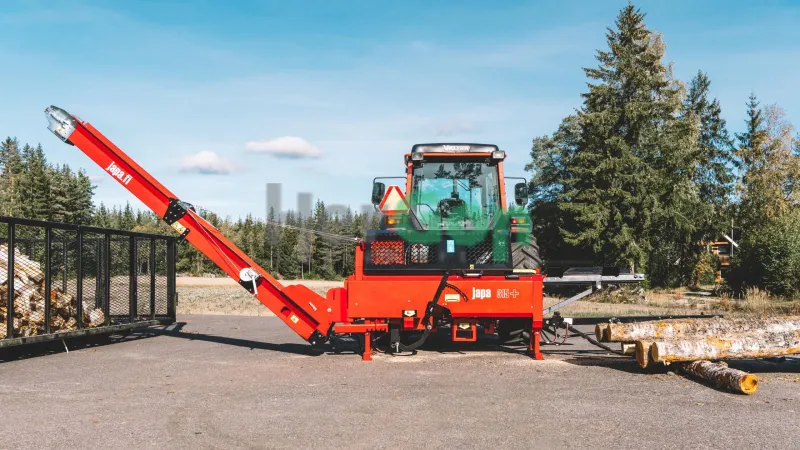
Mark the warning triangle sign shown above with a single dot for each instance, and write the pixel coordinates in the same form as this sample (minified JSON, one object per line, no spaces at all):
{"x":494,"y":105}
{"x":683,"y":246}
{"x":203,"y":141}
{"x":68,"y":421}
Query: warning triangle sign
{"x":394,"y":202}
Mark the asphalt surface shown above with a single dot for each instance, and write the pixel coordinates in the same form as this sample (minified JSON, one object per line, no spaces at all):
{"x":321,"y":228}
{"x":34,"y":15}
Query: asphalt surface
{"x":248,"y":382}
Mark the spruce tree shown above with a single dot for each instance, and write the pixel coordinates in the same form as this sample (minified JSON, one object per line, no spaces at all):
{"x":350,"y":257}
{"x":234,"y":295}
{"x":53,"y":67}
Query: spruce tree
{"x":552,"y":161}
{"x":756,"y":199}
{"x":305,"y":245}
{"x":35,"y":183}
{"x":288,"y":262}
{"x":613,"y":190}
{"x":273,"y":237}
{"x":322,"y":253}
{"x":59,"y":205}
{"x":10,"y":179}
{"x":126,"y":219}
{"x":713,"y":175}
{"x":103,"y":217}
{"x":80,"y":195}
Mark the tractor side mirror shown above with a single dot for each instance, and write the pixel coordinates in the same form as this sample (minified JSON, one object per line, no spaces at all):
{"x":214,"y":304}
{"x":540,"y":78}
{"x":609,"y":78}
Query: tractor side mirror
{"x":378,"y":189}
{"x":521,"y":193}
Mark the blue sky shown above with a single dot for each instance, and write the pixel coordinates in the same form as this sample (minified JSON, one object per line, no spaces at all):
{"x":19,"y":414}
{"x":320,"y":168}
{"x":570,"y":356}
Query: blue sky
{"x":345,"y":88}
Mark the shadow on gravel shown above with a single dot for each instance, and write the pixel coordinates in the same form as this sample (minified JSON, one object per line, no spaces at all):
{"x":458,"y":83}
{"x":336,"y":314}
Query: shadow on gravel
{"x":175,"y":330}
{"x":36,"y":350}
{"x":296,"y":349}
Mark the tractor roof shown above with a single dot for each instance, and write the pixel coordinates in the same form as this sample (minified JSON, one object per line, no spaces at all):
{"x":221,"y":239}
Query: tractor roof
{"x":454,"y":148}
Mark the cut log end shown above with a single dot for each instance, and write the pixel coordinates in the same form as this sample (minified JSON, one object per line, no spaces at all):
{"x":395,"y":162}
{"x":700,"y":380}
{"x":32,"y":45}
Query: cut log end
{"x":722,"y":376}
{"x":598,"y":332}
{"x":748,"y":384}
{"x":643,"y":353}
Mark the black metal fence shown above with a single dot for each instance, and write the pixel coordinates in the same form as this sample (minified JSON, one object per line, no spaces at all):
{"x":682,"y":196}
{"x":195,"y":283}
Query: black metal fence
{"x":59,"y":280}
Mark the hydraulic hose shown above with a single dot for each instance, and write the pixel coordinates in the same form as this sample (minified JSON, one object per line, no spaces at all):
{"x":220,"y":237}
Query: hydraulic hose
{"x":428,"y":316}
{"x":594,"y":342}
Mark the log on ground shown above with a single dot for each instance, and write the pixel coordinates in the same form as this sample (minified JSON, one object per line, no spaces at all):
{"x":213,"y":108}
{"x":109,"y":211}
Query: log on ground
{"x":643,"y":353}
{"x":628,"y":348}
{"x":713,"y":326}
{"x":722,"y":376}
{"x":749,"y":346}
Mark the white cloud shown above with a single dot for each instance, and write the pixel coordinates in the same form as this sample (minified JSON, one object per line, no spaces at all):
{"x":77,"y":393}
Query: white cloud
{"x":96,"y":179}
{"x":291,"y":147}
{"x":207,"y":163}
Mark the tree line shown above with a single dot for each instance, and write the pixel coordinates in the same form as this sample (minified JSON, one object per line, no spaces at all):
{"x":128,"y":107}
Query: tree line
{"x":31,"y":187}
{"x":320,"y":246}
{"x":644,"y":171}
{"x":293,"y":247}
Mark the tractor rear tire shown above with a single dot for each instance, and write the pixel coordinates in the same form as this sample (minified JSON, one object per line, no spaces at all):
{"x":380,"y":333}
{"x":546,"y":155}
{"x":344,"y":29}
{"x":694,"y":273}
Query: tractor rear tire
{"x":525,"y":255}
{"x":509,"y":330}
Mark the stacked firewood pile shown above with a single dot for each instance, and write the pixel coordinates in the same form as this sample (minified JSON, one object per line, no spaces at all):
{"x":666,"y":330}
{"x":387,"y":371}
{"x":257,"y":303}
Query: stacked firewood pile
{"x":29,"y":298}
{"x":693,"y":344}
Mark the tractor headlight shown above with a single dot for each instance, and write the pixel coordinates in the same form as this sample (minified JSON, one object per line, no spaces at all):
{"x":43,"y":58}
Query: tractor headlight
{"x":498,"y":154}
{"x":417,"y":156}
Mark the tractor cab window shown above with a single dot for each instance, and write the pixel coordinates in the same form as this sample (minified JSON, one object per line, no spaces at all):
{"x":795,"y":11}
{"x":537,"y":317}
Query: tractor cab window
{"x":455,"y":194}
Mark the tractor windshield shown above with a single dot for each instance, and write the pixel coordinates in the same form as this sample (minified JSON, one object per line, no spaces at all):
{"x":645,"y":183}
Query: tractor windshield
{"x":453,"y":195}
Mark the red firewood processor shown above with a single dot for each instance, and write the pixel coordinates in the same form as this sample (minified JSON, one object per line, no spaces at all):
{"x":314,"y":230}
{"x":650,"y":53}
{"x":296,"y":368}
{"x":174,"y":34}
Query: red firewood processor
{"x":449,"y":254}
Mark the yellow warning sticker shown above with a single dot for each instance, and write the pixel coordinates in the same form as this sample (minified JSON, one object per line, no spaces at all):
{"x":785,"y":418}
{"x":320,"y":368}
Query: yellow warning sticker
{"x":178,"y":227}
{"x":294,"y":318}
{"x":450,"y":298}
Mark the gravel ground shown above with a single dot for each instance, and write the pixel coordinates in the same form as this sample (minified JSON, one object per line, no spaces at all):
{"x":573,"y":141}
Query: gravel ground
{"x":225,"y":296}
{"x":249,"y":382}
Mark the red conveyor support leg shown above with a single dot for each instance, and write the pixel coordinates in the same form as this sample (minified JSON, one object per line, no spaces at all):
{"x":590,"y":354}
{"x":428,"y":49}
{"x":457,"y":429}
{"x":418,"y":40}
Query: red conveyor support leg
{"x":534,"y":349}
{"x":367,"y":356}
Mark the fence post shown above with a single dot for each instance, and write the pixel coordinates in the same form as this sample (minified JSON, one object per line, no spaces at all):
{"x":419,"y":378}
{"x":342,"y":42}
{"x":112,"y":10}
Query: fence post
{"x":79,"y":288}
{"x":48,"y":286}
{"x":10,"y":310}
{"x":152,"y":266}
{"x":64,"y":273}
{"x":98,"y":279}
{"x":171,"y":250}
{"x":134,"y":278}
{"x":107,"y":276}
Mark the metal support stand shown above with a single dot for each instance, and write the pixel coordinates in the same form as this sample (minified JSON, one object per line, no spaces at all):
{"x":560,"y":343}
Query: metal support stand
{"x":534,"y":345}
{"x":596,"y":287}
{"x":367,"y":356}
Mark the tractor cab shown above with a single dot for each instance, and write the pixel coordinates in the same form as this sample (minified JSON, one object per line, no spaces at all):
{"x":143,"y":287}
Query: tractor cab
{"x":453,"y":213}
